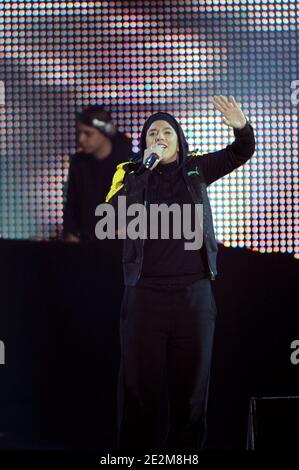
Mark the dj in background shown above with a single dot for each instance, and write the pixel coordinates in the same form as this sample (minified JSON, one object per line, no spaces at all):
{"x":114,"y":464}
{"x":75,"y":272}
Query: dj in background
{"x":102,"y":148}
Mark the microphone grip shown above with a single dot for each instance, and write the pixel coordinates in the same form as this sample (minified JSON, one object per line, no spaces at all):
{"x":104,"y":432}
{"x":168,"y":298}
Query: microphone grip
{"x":151,"y":160}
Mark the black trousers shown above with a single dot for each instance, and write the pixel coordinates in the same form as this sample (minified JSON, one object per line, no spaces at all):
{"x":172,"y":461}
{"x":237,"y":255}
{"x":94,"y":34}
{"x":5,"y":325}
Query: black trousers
{"x":165,"y":329}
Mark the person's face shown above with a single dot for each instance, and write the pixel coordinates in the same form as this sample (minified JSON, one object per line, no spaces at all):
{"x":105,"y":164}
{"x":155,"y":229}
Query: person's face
{"x":90,"y":139}
{"x":162,"y":133}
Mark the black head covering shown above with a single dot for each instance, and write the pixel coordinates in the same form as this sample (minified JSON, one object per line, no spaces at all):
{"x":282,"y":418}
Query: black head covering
{"x":183,"y":146}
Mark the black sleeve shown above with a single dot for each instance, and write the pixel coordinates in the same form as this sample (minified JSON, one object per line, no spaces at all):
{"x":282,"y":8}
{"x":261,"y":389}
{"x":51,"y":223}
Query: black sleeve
{"x":129,"y":183}
{"x":215,"y":165}
{"x":71,"y":204}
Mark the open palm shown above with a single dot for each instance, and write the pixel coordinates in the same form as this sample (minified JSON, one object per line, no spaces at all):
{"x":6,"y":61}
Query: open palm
{"x":232,"y":115}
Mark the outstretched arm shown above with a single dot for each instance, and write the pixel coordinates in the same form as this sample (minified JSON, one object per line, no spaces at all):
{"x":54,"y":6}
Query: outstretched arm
{"x":215,"y":165}
{"x":232,"y":114}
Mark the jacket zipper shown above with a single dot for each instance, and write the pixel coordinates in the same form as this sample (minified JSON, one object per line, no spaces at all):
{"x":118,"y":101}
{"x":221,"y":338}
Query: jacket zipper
{"x":212,"y":275}
{"x":145,"y":205}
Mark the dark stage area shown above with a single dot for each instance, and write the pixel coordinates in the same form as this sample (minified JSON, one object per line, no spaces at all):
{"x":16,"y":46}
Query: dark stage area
{"x":59,"y":324}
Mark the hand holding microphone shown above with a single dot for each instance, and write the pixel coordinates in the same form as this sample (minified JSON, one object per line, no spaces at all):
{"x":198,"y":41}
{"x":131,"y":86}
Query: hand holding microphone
{"x":153,"y":155}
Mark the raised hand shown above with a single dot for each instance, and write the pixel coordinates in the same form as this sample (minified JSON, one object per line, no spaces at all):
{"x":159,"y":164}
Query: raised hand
{"x":232,"y":115}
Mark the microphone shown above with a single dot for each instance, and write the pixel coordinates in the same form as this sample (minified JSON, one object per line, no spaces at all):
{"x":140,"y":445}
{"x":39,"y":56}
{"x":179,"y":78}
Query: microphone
{"x":149,"y":162}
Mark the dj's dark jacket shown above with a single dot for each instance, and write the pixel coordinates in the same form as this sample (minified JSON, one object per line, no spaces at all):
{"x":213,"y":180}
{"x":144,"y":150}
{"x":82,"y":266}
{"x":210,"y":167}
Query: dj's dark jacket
{"x":198,"y":171}
{"x":88,"y":182}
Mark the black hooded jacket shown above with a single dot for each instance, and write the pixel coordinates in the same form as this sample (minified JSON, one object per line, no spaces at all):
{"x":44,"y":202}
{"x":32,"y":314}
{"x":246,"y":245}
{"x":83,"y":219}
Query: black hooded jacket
{"x":184,"y":181}
{"x":167,"y":261}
